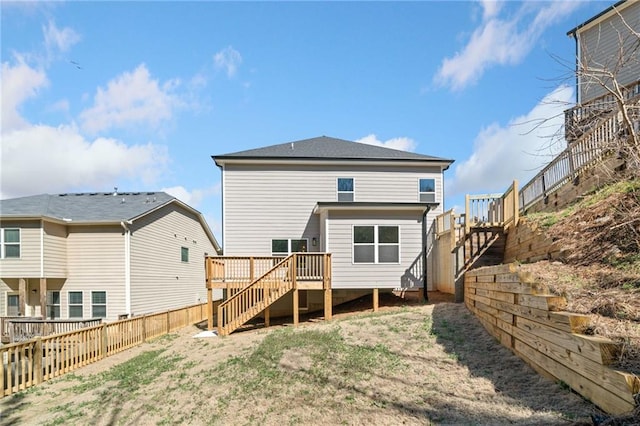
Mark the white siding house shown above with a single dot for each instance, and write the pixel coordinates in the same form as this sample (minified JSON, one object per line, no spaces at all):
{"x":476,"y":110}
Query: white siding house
{"x":364,"y":204}
{"x":103,"y":255}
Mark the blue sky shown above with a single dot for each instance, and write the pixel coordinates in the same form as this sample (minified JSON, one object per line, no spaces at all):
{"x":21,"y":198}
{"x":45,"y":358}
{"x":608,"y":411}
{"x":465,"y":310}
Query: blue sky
{"x":139,"y":95}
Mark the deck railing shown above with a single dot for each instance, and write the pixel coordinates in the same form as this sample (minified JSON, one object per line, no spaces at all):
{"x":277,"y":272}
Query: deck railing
{"x":255,"y":297}
{"x":29,"y":363}
{"x":21,"y":329}
{"x":492,"y":210}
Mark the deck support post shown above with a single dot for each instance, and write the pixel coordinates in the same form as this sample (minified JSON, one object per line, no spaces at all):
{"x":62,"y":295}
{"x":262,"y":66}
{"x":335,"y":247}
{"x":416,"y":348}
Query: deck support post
{"x":209,"y":308}
{"x":327,"y":304}
{"x":296,"y":308}
{"x":375,"y":300}
{"x":267,"y":316}
{"x":43,"y":297}
{"x":22,"y":297}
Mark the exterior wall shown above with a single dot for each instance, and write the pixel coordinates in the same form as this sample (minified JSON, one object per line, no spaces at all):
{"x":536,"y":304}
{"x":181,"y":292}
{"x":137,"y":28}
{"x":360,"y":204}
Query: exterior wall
{"x":159,"y":279}
{"x":599,"y":45}
{"x":55,"y":250}
{"x":276,"y":201}
{"x":408,"y":274}
{"x":28,"y":265}
{"x":95,"y":263}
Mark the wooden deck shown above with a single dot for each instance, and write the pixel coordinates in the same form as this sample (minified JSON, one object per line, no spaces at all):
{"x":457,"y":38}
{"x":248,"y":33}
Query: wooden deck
{"x":254,"y":283}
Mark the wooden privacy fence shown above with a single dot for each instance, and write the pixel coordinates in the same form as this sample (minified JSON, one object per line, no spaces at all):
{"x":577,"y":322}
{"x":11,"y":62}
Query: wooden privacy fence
{"x":29,"y":363}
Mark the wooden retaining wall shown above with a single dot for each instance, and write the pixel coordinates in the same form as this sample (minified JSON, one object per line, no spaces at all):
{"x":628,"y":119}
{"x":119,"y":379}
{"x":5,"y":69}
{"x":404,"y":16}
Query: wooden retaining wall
{"x":29,"y":363}
{"x":528,"y":242}
{"x":530,"y":322}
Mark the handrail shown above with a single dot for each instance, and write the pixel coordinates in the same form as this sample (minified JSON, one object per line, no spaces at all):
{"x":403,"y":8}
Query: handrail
{"x":252,"y":299}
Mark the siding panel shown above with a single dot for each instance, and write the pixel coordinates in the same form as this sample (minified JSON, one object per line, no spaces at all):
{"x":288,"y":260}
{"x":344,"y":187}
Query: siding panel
{"x":55,"y":250}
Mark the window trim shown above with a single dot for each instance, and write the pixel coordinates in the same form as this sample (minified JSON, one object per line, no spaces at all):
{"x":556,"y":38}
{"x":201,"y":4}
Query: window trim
{"x":420,"y":193}
{"x":289,"y":252}
{"x":3,"y":243}
{"x":376,"y":245}
{"x":106,"y":300}
{"x":48,"y":305}
{"x":352,"y":192}
{"x":70,"y":305}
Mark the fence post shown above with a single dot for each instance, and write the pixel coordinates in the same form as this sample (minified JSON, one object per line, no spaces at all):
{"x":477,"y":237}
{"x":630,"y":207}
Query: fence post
{"x":104,"y":343}
{"x":37,"y":361}
{"x":516,"y":203}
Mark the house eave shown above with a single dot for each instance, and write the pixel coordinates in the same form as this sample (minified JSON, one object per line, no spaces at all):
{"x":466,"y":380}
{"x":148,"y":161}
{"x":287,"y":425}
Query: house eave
{"x":441,"y":163}
{"x":370,"y":206}
{"x":605,"y":14}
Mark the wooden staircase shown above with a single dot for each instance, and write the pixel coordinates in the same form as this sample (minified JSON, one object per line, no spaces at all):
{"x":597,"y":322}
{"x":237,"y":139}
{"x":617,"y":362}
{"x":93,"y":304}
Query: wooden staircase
{"x":248,"y":298}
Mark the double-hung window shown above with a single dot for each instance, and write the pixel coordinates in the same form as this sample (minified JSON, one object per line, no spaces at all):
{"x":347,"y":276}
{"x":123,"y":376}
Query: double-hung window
{"x":184,"y":254}
{"x":427,"y":190}
{"x":10,"y":239}
{"x":75,"y":304}
{"x":53,"y":304}
{"x":345,"y":189}
{"x":376,"y":244}
{"x":98,"y":304}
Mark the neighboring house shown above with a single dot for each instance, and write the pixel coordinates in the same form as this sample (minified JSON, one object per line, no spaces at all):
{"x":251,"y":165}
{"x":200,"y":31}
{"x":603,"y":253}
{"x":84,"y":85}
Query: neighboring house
{"x":606,"y":44}
{"x":367,"y":205}
{"x":101,"y":255}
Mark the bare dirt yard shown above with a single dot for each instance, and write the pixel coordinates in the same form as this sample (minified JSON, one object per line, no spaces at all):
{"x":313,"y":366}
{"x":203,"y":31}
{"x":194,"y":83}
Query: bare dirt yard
{"x":419,"y":364}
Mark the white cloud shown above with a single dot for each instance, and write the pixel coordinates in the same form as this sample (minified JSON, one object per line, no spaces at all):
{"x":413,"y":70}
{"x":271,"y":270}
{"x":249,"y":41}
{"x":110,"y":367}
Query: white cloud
{"x":19,"y":83}
{"x":42,"y":159}
{"x":58,"y":40}
{"x":515,"y":151}
{"x":403,"y":144}
{"x":131,"y":99}
{"x":228,"y":59}
{"x":500,"y":41}
{"x":193,"y":197}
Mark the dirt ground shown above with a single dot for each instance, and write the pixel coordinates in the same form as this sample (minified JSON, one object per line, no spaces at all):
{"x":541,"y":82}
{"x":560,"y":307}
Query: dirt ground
{"x":420,"y":364}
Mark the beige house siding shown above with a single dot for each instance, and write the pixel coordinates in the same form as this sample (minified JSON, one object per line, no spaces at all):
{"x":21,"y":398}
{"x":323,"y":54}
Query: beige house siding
{"x":95,"y":263}
{"x":348,"y":275}
{"x":159,"y":279}
{"x":276,"y":201}
{"x":55,"y":249}
{"x":599,"y":45}
{"x":28,"y":265}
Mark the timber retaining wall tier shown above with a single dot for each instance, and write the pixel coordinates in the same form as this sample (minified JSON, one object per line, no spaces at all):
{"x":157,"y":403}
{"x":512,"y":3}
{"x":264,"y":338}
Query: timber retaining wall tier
{"x":528,"y":242}
{"x":525,"y":318}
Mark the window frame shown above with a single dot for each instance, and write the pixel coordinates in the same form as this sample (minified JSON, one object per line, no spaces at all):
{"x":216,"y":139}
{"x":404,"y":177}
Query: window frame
{"x":289,"y":245}
{"x":184,"y":254}
{"x":4,"y":243}
{"x":352,"y":192}
{"x":12,"y":295}
{"x":93,"y":304}
{"x":421,"y":192}
{"x":51,"y":305}
{"x":376,"y":245}
{"x":75,"y":305}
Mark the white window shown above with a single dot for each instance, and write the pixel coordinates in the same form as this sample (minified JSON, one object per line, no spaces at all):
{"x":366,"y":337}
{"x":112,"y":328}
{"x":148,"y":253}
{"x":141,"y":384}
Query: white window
{"x":75,"y":304}
{"x":376,"y":244}
{"x":10,"y":240}
{"x":13,"y":305}
{"x":53,"y":304}
{"x":345,"y":189}
{"x":427,"y":190}
{"x":284,"y":247}
{"x":98,"y":304}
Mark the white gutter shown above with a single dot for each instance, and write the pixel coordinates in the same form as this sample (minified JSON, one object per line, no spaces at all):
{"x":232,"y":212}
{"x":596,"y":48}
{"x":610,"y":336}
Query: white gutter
{"x":127,"y":265}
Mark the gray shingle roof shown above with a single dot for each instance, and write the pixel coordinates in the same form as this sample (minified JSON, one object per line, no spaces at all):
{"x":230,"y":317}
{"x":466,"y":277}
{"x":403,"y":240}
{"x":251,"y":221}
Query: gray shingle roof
{"x":329,"y":148}
{"x":85,"y":207}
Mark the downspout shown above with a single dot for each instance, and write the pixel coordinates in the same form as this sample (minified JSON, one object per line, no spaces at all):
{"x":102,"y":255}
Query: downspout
{"x":575,"y":37}
{"x":127,"y":265}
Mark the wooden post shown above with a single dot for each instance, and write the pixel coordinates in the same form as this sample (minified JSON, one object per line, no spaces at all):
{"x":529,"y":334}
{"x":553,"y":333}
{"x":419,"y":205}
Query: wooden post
{"x":267,"y":316}
{"x":327,"y":304}
{"x":168,"y":323}
{"x":375,"y":300}
{"x":22,"y":297}
{"x":43,"y":297}
{"x":251,"y":272}
{"x":37,"y":361}
{"x":516,"y":203}
{"x":220,"y":315}
{"x":104,"y":341}
{"x":296,"y":312}
{"x":467,"y":215}
{"x":209,"y":308}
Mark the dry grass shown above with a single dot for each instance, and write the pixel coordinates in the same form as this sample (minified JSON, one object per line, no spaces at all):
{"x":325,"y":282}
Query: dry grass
{"x":424,"y":364}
